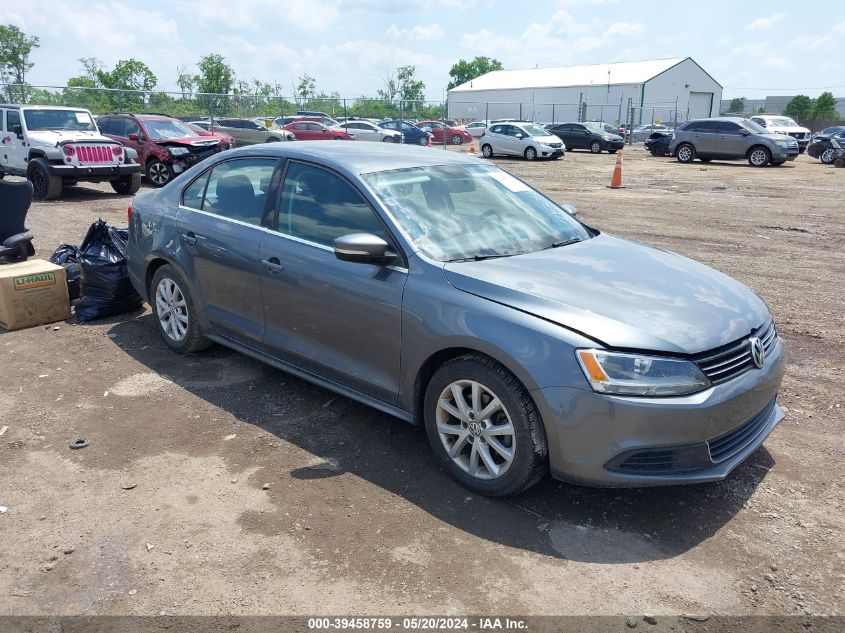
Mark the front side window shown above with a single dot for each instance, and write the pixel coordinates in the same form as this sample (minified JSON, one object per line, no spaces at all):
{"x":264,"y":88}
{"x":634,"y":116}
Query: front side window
{"x":728,"y":127}
{"x":464,"y":212}
{"x":319,"y":206}
{"x":533,"y":130}
{"x":236,"y":189}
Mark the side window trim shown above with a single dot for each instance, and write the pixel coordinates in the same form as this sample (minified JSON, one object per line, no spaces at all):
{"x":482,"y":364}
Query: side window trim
{"x":394,"y":243}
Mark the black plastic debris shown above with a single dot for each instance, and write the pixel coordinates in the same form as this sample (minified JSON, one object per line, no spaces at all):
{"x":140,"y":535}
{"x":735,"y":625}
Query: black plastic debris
{"x":106,"y":289}
{"x":79,"y":443}
{"x":67,"y":256}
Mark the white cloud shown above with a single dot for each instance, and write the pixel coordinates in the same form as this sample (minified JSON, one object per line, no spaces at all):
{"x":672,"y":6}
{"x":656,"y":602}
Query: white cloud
{"x":766,"y":22}
{"x":418,"y":33}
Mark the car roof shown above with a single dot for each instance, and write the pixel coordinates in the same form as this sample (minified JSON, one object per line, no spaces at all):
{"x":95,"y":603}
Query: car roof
{"x":360,"y":158}
{"x":18,"y":106}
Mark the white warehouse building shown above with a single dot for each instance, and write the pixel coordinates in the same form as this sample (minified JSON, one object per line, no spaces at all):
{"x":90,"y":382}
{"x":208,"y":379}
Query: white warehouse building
{"x":658,"y":90}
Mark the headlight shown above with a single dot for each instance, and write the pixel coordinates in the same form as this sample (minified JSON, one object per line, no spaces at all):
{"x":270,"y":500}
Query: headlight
{"x":639,"y":374}
{"x":178,"y":151}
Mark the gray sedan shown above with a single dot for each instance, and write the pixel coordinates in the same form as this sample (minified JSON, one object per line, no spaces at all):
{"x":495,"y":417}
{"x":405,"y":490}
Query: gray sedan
{"x":446,"y":292}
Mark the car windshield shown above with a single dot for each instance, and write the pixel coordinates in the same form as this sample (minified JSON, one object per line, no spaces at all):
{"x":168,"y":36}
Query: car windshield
{"x":162,"y":130}
{"x":755,"y":128}
{"x":465,"y":212}
{"x":535,"y":130}
{"x":59,"y":120}
{"x":782,"y":121}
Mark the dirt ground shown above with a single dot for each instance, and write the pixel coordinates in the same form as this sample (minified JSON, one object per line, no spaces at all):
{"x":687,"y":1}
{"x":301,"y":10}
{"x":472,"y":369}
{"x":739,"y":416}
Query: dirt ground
{"x":214,"y":484}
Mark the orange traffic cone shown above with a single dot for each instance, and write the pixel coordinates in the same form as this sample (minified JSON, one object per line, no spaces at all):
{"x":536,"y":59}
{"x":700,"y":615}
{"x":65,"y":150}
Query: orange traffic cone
{"x":616,"y":179}
{"x":472,"y":149}
{"x":429,"y":140}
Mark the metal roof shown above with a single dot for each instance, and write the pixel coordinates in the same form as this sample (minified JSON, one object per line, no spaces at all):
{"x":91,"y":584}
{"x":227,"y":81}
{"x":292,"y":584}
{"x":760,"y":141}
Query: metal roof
{"x":593,"y":74}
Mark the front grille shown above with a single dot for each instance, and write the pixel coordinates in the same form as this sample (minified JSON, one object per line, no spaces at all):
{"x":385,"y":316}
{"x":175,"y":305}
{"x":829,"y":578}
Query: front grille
{"x":94,"y":154}
{"x":799,"y":135}
{"x":734,"y":442}
{"x":733,"y":359}
{"x":555,"y":145}
{"x":687,"y":458}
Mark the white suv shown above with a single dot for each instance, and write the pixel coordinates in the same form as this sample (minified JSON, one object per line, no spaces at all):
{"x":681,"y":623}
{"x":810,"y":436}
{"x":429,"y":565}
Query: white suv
{"x":780,"y":124}
{"x":52,"y":146}
{"x":520,"y":139}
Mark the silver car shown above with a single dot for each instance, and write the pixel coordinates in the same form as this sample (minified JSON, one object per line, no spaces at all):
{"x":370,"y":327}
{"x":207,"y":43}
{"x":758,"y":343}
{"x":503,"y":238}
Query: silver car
{"x":246,"y":131}
{"x":476,"y":129}
{"x":444,"y":291}
{"x":520,"y":139}
{"x":367,"y":131}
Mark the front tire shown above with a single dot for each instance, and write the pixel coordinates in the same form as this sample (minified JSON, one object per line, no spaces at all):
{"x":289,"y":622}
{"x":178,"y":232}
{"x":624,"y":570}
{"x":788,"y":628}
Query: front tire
{"x":273,"y":139}
{"x":530,"y":153}
{"x":45,"y":186}
{"x":158,"y":173}
{"x":685,"y":153}
{"x":487,"y":151}
{"x":457,"y":140}
{"x":174,"y":311}
{"x":759,"y":156}
{"x":127,"y":185}
{"x":595,"y":147}
{"x":484,"y":427}
{"x":423,"y":141}
{"x":827,"y":156}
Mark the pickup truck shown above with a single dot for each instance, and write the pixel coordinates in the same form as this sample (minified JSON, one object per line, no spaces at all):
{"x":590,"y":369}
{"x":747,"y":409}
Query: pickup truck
{"x":54,"y":146}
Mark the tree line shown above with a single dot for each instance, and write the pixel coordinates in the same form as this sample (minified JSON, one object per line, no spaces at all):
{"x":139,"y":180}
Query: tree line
{"x":822,"y":108}
{"x":212,"y":87}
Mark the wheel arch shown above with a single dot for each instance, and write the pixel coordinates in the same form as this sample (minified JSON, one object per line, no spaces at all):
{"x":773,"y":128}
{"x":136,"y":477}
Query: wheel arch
{"x":437,"y":359}
{"x":154,"y":262}
{"x":755,"y":146}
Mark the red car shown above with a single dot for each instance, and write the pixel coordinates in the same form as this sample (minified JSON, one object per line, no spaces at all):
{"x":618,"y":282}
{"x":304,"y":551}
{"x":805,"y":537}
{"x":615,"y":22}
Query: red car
{"x":166,"y":146}
{"x":445,"y":134}
{"x":313,"y":131}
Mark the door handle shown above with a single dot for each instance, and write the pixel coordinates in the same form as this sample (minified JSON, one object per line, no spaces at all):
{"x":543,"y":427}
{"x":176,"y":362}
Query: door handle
{"x":273,"y":265}
{"x":189,"y":238}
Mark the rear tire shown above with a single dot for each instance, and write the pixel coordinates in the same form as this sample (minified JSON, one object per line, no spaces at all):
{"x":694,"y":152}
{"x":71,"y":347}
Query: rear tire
{"x":487,"y":151}
{"x":685,"y":153}
{"x":759,"y":156}
{"x":45,"y":186}
{"x":273,"y":139}
{"x":479,"y":381}
{"x":127,"y":185}
{"x":192,"y":339}
{"x":839,"y":162}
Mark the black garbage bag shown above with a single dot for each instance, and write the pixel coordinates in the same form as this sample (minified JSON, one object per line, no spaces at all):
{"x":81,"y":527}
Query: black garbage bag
{"x":106,"y":289}
{"x":67,"y":255}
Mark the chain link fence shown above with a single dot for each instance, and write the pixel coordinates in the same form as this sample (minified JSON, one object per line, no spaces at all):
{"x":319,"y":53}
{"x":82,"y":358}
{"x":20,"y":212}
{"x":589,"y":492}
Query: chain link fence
{"x":187,"y":105}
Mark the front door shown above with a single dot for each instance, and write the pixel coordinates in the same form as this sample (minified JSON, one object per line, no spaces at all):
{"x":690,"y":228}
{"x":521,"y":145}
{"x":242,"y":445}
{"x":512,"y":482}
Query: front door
{"x":340,"y":320}
{"x":731,"y":140}
{"x":13,"y":154}
{"x":220,"y":224}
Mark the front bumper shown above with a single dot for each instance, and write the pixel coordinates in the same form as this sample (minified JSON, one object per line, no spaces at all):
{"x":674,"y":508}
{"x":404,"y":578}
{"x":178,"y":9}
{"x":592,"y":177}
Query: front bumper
{"x":785,"y":153}
{"x":590,"y":434}
{"x":548,"y":152}
{"x":100,"y":172}
{"x":615,"y":145}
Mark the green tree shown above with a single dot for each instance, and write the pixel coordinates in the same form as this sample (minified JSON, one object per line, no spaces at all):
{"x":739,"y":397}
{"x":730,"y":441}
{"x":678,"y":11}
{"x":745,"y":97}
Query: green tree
{"x":824,"y":108}
{"x":305,"y":88}
{"x":737,"y":104}
{"x":185,"y":81}
{"x":799,"y":107}
{"x":215,"y":75}
{"x":15,"y":49}
{"x":128,"y":74}
{"x":404,"y":86}
{"x":464,"y":71}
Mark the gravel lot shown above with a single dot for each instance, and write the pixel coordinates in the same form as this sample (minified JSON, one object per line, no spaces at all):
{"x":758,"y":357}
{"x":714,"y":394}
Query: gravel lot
{"x":214,"y":484}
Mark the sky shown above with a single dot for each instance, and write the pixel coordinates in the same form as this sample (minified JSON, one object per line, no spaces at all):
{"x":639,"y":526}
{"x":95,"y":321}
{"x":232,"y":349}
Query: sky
{"x":753,"y":49}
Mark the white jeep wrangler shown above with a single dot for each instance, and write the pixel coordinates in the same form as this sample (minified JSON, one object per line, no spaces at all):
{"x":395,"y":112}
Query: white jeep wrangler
{"x":53,"y":146}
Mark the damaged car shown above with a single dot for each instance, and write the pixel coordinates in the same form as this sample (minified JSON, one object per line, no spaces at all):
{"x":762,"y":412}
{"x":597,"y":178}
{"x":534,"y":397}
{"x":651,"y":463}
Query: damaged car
{"x":166,"y":146}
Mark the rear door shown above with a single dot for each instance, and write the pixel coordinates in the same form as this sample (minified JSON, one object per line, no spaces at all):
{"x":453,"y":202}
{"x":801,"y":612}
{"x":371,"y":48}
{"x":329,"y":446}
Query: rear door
{"x":221,"y":223}
{"x":337,"y":319}
{"x":705,"y":137}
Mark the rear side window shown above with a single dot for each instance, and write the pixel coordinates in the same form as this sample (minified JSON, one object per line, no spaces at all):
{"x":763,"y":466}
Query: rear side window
{"x":319,"y":206}
{"x":13,"y":117}
{"x":706,"y":126}
{"x":236,"y":189}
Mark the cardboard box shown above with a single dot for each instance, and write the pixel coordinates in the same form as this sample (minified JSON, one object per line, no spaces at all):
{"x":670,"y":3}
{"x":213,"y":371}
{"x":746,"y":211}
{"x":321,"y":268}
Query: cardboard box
{"x":32,"y":293}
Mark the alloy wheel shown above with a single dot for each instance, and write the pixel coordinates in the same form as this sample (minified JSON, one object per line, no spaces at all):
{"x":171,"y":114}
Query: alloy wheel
{"x":826,"y":156}
{"x":475,"y":429}
{"x":685,"y":154}
{"x":158,"y":174}
{"x":171,"y":309}
{"x":758,"y":157}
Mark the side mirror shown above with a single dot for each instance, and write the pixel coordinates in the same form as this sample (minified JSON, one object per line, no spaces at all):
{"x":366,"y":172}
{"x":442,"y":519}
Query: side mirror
{"x":133,"y":137}
{"x":17,"y":130}
{"x":362,"y":248}
{"x":744,"y":132}
{"x":426,"y":129}
{"x":570,"y":210}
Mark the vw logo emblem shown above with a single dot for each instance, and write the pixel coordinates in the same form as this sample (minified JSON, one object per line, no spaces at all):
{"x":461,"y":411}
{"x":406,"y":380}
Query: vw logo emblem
{"x":758,"y":354}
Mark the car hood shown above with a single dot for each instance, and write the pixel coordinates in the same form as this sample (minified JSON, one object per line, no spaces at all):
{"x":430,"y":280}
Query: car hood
{"x":623,"y":294}
{"x":54,"y":137}
{"x":786,"y":129}
{"x":549,"y":138}
{"x":190,"y":141}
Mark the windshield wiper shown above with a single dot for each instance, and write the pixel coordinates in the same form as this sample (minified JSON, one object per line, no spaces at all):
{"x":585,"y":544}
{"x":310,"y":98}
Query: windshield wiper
{"x":477,"y":258}
{"x":563,"y":243}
